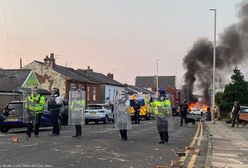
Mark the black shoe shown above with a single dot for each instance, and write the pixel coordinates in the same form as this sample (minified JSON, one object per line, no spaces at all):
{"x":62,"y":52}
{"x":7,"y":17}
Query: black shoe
{"x":161,"y":142}
{"x":51,"y":134}
{"x":74,"y":136}
{"x":28,"y":136}
{"x":36,"y":135}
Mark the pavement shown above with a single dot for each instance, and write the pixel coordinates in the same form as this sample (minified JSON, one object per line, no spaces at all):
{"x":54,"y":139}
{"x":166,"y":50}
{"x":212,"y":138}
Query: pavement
{"x":227,"y":146}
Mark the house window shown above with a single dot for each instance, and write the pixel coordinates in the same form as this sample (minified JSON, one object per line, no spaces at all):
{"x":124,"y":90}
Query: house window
{"x":109,"y":93}
{"x":88,"y":93}
{"x":72,"y":86}
{"x":80,"y":86}
{"x":94,"y":93}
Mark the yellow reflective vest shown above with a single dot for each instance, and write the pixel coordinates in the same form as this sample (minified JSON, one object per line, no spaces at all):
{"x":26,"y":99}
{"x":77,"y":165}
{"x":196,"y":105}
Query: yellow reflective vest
{"x":77,"y":105}
{"x":35,"y":103}
{"x":164,"y":105}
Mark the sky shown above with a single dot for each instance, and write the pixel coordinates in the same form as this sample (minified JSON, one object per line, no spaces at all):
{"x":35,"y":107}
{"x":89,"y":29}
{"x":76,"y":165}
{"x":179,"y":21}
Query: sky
{"x":124,"y":37}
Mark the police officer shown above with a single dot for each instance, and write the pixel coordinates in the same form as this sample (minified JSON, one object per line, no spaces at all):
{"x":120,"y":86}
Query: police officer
{"x":183,"y":112}
{"x":162,"y":110}
{"x":54,"y":105}
{"x":34,"y":107}
{"x":137,"y":112}
{"x":77,"y":108}
{"x":122,"y":115}
{"x":235,"y":113}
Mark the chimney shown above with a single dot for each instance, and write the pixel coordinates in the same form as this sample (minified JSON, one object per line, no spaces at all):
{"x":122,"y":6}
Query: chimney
{"x":52,"y":60}
{"x":46,"y":61}
{"x":20,"y":63}
{"x":49,"y":62}
{"x":89,"y":70}
{"x":110,"y":75}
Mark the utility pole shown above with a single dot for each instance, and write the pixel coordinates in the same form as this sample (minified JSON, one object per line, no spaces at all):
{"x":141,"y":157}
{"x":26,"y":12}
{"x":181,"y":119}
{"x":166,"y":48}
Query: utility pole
{"x":214,"y":55}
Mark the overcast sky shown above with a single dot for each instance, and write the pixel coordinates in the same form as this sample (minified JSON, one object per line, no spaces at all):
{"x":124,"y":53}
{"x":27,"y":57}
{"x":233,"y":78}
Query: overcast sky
{"x":124,"y":37}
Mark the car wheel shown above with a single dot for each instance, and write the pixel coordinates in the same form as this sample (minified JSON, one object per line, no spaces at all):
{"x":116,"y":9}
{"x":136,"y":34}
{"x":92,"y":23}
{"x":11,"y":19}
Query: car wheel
{"x":4,"y":129}
{"x":106,"y":120}
{"x":96,"y":122}
{"x":86,"y":122}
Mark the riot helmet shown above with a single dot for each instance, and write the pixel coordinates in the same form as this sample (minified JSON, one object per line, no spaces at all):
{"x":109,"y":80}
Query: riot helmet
{"x":55,"y":92}
{"x":161,"y":91}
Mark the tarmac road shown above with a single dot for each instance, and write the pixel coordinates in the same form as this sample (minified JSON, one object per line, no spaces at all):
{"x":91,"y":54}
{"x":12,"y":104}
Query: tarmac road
{"x":99,"y":146}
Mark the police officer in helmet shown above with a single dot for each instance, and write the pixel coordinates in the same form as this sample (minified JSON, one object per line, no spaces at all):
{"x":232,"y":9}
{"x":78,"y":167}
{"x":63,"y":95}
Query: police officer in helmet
{"x":54,"y":105}
{"x":34,"y":108}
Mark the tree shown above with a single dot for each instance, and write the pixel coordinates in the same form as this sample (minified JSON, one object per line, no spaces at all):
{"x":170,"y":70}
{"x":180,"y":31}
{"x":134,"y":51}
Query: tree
{"x":218,"y":98}
{"x":237,"y":90}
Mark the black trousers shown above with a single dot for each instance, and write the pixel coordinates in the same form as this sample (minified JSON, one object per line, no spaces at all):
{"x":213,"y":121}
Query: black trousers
{"x":235,"y":120}
{"x":123,"y":134}
{"x":164,"y":136}
{"x":78,"y":130}
{"x":36,"y":127}
{"x":137,"y":117}
{"x":55,"y":118}
{"x":183,"y":118}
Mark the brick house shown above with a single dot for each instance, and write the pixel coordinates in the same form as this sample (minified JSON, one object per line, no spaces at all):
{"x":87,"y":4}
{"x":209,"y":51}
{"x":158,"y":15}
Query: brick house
{"x":109,"y":87}
{"x":150,"y":82}
{"x":51,"y":75}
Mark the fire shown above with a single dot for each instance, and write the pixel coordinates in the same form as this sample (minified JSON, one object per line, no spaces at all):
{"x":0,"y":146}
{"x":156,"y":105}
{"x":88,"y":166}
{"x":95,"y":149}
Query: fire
{"x":198,"y":106}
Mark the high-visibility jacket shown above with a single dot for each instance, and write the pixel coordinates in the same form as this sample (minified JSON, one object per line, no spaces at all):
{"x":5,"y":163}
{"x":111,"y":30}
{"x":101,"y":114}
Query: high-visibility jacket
{"x":77,"y":105}
{"x":164,"y":105}
{"x":35,"y":103}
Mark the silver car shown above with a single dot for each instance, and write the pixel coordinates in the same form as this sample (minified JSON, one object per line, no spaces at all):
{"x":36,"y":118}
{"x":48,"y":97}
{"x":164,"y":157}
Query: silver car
{"x":98,"y":112}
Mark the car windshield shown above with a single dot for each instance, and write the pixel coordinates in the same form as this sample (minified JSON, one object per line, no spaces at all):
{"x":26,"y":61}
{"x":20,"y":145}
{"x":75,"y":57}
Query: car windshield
{"x":95,"y":107}
{"x":15,"y":109}
{"x":244,"y":109}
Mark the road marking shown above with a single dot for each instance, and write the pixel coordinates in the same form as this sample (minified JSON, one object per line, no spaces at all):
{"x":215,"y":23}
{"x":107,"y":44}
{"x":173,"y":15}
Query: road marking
{"x":192,"y":160}
{"x":200,"y":137}
{"x":194,"y":156}
{"x":183,"y":158}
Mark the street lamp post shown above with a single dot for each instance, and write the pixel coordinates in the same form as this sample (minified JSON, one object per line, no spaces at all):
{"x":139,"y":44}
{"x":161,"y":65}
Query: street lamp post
{"x":214,"y":55}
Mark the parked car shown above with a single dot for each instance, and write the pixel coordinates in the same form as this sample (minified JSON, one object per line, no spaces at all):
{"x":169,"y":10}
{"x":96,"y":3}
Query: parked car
{"x":98,"y":112}
{"x":243,"y":116}
{"x":12,"y":116}
{"x":195,"y":111}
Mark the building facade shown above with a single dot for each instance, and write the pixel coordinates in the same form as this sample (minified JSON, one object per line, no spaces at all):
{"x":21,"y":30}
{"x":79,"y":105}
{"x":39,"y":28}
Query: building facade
{"x":51,"y":75}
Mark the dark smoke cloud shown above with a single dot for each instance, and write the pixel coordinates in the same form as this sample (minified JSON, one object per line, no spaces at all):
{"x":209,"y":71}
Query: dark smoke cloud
{"x":232,"y":50}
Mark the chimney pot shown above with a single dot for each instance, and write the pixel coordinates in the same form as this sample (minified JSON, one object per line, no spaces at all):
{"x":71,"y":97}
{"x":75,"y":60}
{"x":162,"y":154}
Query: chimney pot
{"x":52,"y":55}
{"x":110,"y":75}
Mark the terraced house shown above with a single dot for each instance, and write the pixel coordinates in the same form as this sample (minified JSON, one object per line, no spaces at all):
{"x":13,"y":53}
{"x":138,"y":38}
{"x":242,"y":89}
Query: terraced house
{"x":51,"y":75}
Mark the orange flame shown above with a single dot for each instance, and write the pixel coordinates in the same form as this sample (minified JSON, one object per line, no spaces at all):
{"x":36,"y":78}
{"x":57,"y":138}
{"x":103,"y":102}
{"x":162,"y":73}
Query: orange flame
{"x":198,"y":106}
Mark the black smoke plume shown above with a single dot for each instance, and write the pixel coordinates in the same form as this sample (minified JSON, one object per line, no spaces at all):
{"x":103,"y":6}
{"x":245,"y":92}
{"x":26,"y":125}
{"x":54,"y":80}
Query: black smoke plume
{"x":230,"y":51}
